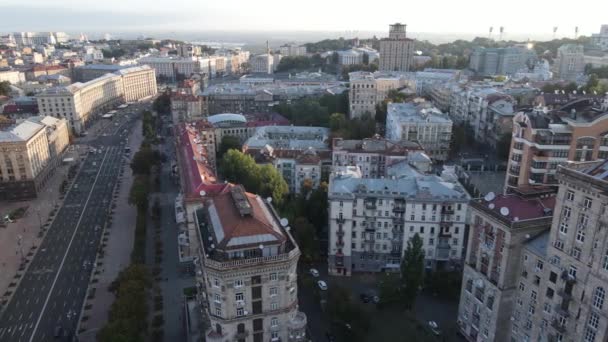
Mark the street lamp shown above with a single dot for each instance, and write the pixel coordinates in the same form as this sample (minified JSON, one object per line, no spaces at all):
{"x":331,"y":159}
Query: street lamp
{"x":20,"y":244}
{"x":39,"y":219}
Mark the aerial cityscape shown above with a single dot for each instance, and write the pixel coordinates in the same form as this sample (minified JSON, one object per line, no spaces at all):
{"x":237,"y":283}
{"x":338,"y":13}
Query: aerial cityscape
{"x":317,"y":184}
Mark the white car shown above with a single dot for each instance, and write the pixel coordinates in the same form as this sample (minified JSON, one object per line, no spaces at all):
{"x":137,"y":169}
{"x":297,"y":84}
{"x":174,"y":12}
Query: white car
{"x":322,"y":285}
{"x":434,"y":328}
{"x":313,"y":272}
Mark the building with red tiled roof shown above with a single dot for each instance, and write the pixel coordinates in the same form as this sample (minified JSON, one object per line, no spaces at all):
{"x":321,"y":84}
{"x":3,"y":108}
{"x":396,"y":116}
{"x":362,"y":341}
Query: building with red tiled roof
{"x":39,"y":70}
{"x":248,"y":269}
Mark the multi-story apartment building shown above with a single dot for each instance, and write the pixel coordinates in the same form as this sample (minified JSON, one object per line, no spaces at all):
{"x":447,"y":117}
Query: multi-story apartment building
{"x":369,"y":89}
{"x":541,"y":141}
{"x":570,"y":62}
{"x":397,"y":50}
{"x":29,"y":152}
{"x":12,"y":76}
{"x":371,"y":220}
{"x":248,"y":270}
{"x":90,"y":72}
{"x":488,"y":111}
{"x":420,"y":122}
{"x":39,"y":38}
{"x":186,"y":107}
{"x":556,"y":287}
{"x":263,"y":64}
{"x":499,"y":228}
{"x":601,"y":39}
{"x":300,"y":153}
{"x":292,"y":50}
{"x":260,"y":98}
{"x":172,"y":67}
{"x":189,"y":50}
{"x":371,"y":155}
{"x":80,"y":102}
{"x":242,"y":126}
{"x":501,"y":61}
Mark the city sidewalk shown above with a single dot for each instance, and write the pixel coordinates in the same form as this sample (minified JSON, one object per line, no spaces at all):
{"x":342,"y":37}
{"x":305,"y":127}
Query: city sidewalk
{"x":117,"y":251}
{"x":21,"y":238}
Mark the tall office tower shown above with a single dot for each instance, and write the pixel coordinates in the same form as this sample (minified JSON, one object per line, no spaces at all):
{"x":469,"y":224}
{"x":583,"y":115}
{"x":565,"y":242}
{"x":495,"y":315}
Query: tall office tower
{"x":397,"y":50}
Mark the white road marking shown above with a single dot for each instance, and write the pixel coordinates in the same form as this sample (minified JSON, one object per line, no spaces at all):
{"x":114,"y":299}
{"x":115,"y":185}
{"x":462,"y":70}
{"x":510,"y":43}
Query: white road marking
{"x":67,"y":250}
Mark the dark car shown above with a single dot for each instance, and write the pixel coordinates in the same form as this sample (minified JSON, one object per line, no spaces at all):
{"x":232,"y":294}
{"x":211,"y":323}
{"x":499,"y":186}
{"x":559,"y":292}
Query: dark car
{"x":58,"y":331}
{"x":364,"y":298}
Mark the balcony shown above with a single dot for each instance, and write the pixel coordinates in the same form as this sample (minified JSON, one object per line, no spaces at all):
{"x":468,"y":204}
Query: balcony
{"x":340,"y":233}
{"x":398,"y":219}
{"x":568,"y":278}
{"x":370,"y":205}
{"x":298,"y":322}
{"x":241,"y":335}
{"x":562,"y":308}
{"x":340,"y":243}
{"x":340,"y":220}
{"x":558,"y":326}
{"x":399,"y":208}
{"x":447,"y":211}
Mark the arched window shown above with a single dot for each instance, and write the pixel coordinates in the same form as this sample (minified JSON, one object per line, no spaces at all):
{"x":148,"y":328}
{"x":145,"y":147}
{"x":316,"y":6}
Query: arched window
{"x":598,"y":298}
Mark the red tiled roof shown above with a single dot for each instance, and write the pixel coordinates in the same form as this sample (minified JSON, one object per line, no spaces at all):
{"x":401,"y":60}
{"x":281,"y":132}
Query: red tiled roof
{"x":48,"y":67}
{"x":522,"y":208}
{"x":197,"y":173}
{"x":236,"y":225}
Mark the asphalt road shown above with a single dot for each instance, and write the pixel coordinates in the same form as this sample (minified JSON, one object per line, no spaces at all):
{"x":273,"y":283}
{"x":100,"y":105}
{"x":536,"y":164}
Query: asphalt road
{"x":53,"y":289}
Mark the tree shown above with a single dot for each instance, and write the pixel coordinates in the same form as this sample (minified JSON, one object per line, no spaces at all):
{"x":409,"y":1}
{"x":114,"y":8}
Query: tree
{"x":412,"y":270}
{"x":503,"y":146}
{"x":350,"y":321}
{"x":229,"y":142}
{"x":337,"y":122}
{"x":5,"y":88}
{"x":390,"y":290}
{"x":162,"y":104}
{"x":304,"y":234}
{"x":272,"y":184}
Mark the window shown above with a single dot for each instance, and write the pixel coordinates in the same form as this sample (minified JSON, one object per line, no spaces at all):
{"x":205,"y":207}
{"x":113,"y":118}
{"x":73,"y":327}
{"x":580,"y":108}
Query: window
{"x":216,"y":282}
{"x":559,"y":244}
{"x":553,"y":277}
{"x":547,"y":308}
{"x":594,"y":320}
{"x":563,"y":226}
{"x":566,"y":212}
{"x":240,"y":312}
{"x":274,"y":322}
{"x":589,"y":335}
{"x":533,"y":296}
{"x":274,"y":335}
{"x":598,"y":298}
{"x":238,"y":283}
{"x":580,"y":235}
{"x":539,"y":265}
{"x":274,"y":306}
{"x":217,"y":298}
{"x":550,"y":292}
{"x":605,"y":260}
{"x":274,"y":291}
{"x":576,"y":253}
{"x":572,"y":271}
{"x":273,"y":277}
{"x":522,"y":287}
{"x":239,"y":297}
{"x":570,"y":195}
{"x":587,"y":203}
{"x":218,"y":310}
{"x":490,"y":302}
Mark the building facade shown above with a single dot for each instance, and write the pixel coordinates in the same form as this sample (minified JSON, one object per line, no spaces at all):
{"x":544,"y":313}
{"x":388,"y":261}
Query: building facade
{"x":601,"y":39}
{"x":368,"y":89}
{"x":248,"y":270}
{"x":501,"y":61}
{"x":372,"y":219}
{"x":397,"y":50}
{"x":292,"y":50}
{"x":78,"y":103}
{"x":577,"y":131}
{"x":29,"y":151}
{"x":570,"y":63}
{"x":499,"y":228}
{"x":420,"y":122}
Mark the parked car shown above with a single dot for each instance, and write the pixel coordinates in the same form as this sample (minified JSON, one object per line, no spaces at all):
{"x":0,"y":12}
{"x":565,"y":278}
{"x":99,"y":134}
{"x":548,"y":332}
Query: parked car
{"x":322,"y":285}
{"x":313,"y":272}
{"x":434,"y":328}
{"x":364,"y":298}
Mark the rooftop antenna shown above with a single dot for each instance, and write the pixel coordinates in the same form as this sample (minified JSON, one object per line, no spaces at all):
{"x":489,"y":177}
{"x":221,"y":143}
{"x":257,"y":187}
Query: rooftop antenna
{"x":502,"y":30}
{"x":554,"y":31}
{"x":490,"y":33}
{"x":575,"y":32}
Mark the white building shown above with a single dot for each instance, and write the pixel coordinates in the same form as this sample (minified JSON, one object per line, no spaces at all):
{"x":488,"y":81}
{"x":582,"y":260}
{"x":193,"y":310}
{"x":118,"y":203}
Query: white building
{"x":292,"y":50}
{"x":369,"y":89}
{"x":79,"y":102}
{"x":12,"y":76}
{"x":171,"y":67}
{"x":420,"y":122}
{"x":601,"y":39}
{"x":570,"y":62}
{"x":263,"y":64}
{"x":372,"y":219}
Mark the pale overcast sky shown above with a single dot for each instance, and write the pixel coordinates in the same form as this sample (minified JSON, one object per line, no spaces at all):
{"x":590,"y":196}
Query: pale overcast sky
{"x":439,"y":16}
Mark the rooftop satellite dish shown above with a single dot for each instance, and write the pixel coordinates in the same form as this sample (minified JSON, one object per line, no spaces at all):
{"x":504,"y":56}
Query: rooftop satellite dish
{"x":288,"y":229}
{"x":202,"y":193}
{"x":516,"y":218}
{"x":504,"y":211}
{"x":491,"y":206}
{"x":527,"y":236}
{"x":490,"y":196}
{"x":261,"y":246}
{"x":284,"y":222}
{"x":269,"y":199}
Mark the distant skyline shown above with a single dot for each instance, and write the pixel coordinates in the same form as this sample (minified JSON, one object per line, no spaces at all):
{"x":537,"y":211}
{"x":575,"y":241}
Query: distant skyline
{"x":521,"y":18}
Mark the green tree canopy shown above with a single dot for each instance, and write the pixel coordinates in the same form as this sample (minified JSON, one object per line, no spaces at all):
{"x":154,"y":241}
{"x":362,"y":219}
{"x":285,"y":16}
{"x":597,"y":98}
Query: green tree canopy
{"x":5,"y":88}
{"x":412,"y":270}
{"x":229,"y":142}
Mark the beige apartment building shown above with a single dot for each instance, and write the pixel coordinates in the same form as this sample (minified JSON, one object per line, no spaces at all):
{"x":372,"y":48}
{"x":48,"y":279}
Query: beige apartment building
{"x":81,"y":102}
{"x":248,"y":262}
{"x":577,"y":131}
{"x":369,"y":89}
{"x":28,"y":153}
{"x":396,"y":51}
